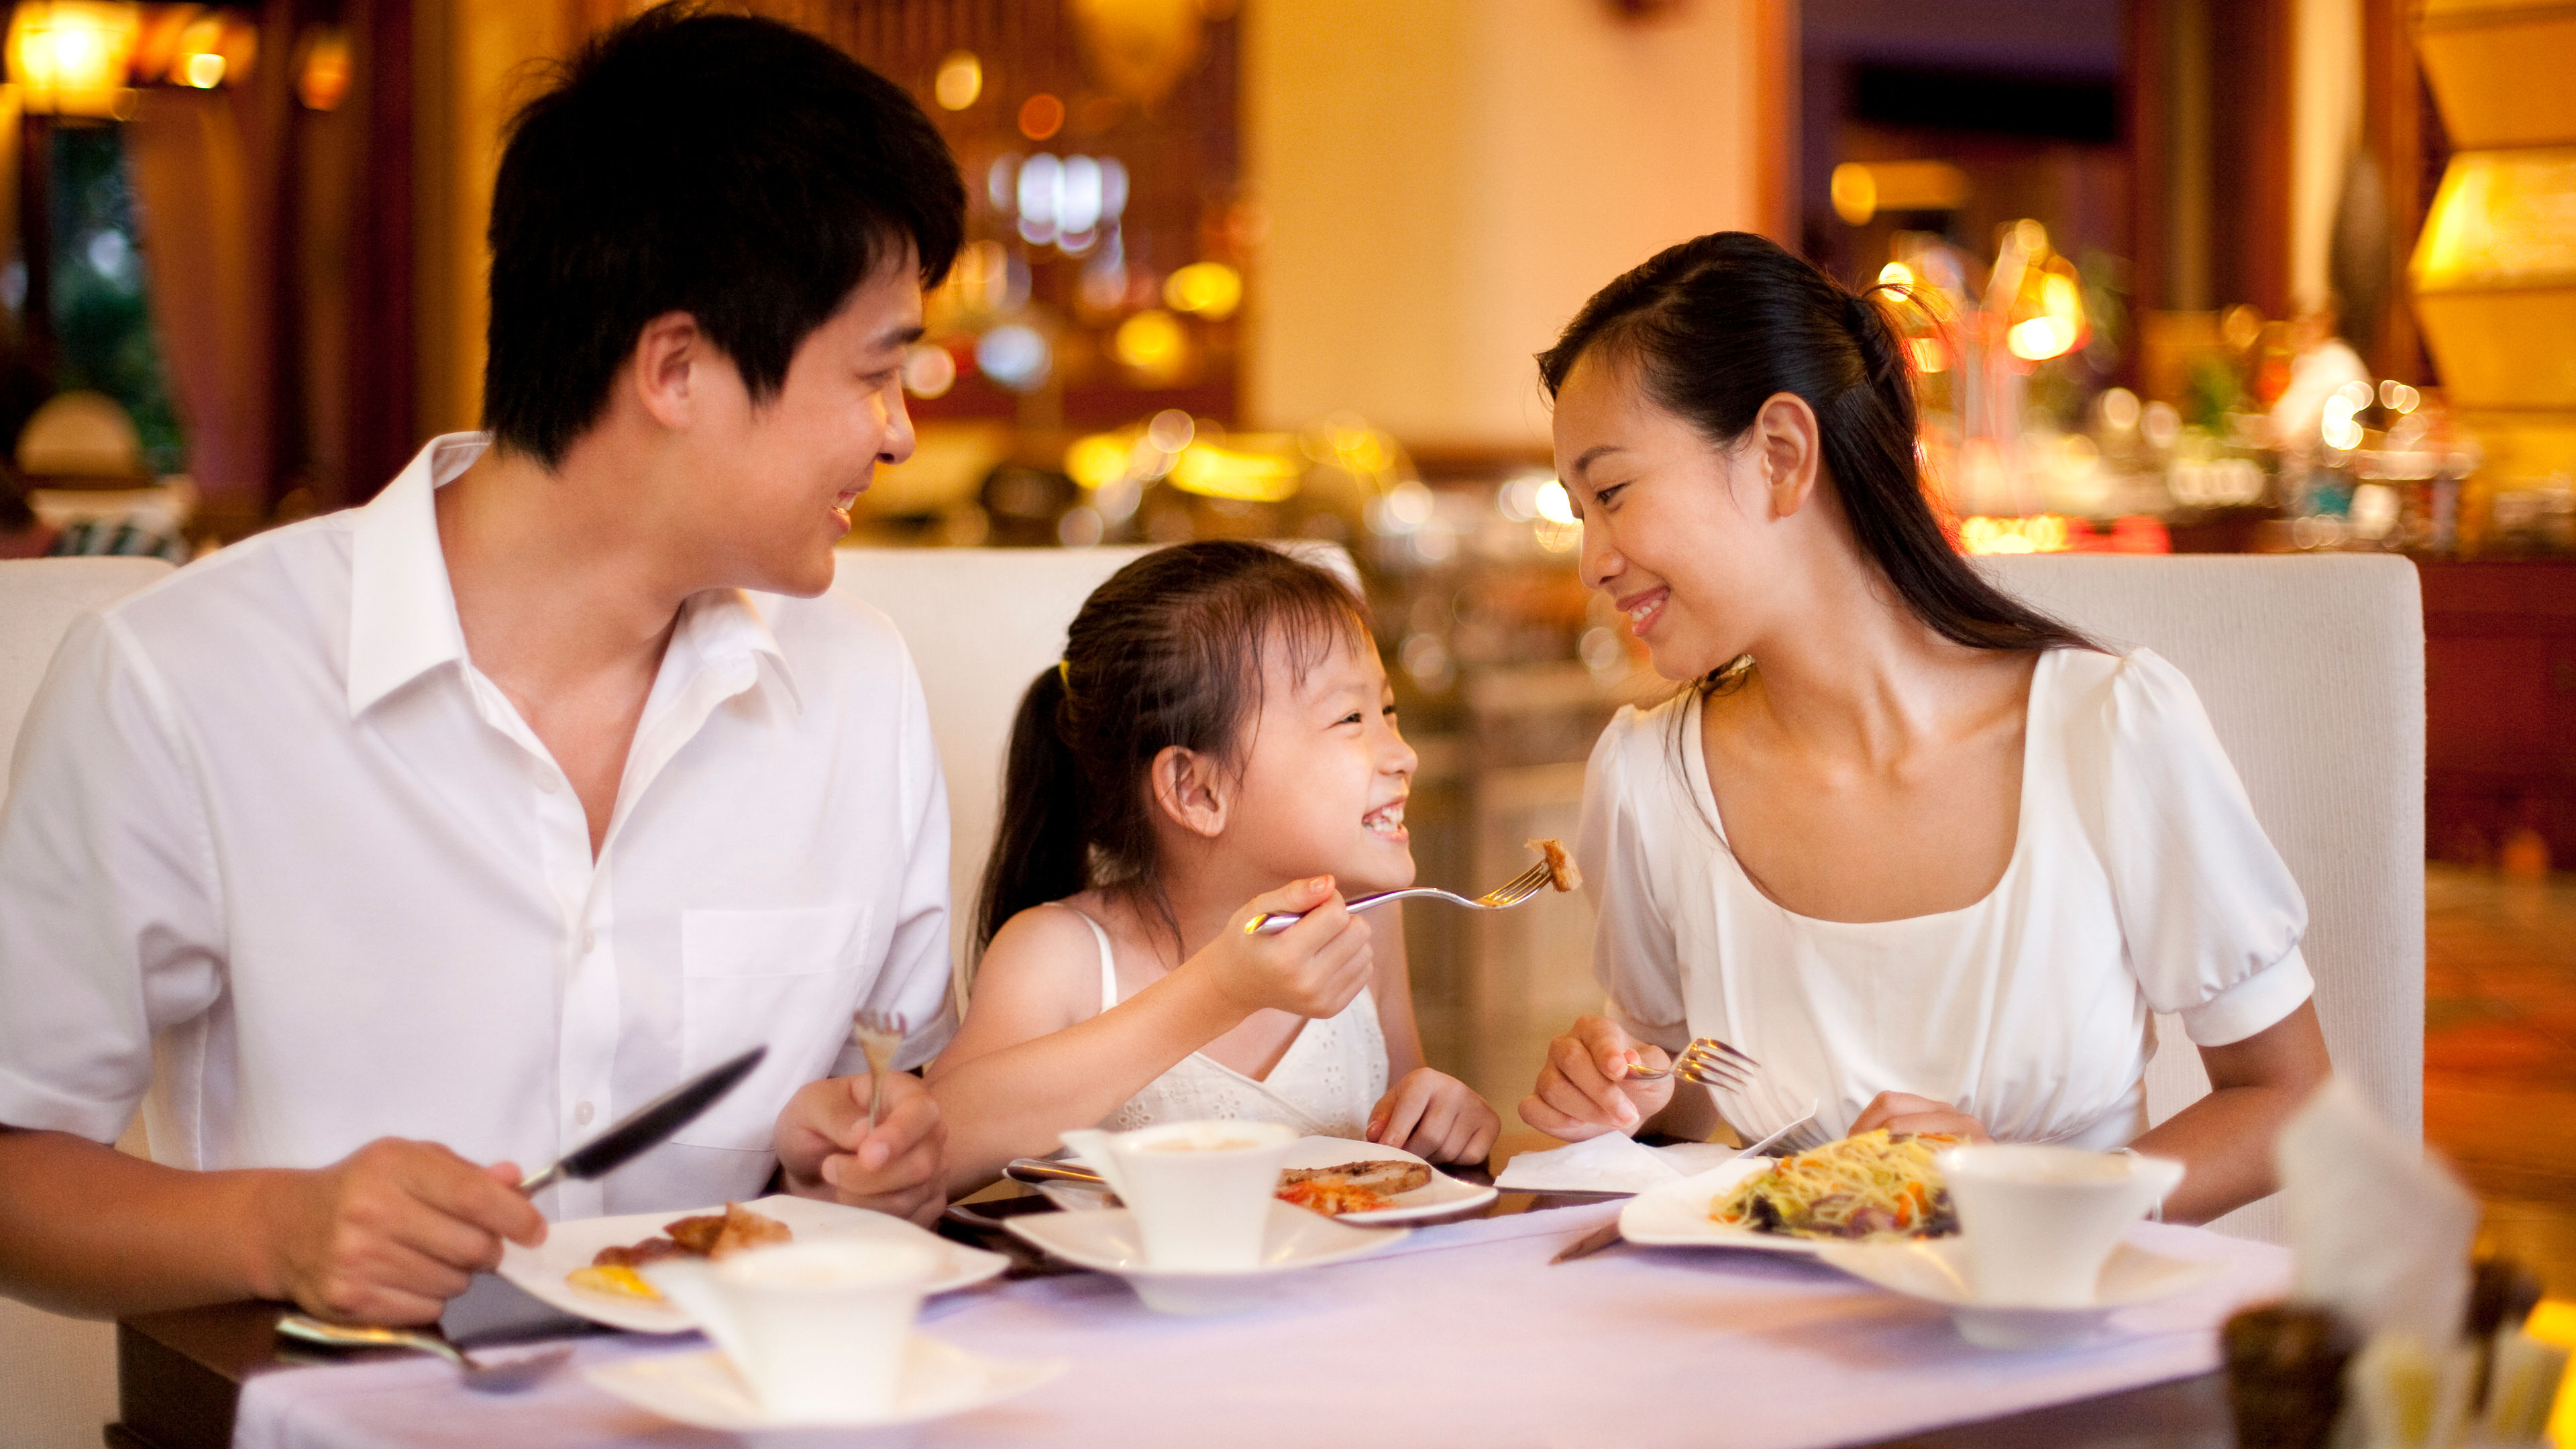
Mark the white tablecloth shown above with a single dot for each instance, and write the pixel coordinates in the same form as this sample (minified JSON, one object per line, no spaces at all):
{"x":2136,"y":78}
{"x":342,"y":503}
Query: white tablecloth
{"x":1462,"y":1335}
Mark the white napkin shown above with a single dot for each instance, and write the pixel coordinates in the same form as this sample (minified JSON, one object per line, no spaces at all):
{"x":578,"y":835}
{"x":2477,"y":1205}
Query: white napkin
{"x":2381,"y":1231}
{"x":1611,"y":1162}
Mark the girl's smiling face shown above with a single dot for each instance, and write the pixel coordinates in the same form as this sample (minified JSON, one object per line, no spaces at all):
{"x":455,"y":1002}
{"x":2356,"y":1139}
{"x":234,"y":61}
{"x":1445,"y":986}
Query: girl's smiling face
{"x":1325,"y":772}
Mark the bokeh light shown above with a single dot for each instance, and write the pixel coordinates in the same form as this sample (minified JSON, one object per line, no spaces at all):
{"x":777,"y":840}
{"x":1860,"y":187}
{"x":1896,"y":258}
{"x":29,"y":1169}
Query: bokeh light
{"x":961,"y":80}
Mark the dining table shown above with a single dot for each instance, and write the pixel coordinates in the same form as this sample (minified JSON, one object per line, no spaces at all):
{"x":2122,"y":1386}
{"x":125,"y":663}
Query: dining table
{"x":1466,"y":1332}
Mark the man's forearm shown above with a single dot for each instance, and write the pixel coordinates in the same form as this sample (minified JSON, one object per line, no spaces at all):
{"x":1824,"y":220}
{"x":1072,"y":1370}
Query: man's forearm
{"x":90,"y":1231}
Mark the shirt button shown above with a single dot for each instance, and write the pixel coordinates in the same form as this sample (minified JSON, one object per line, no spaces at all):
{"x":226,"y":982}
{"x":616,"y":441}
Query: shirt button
{"x":589,"y":941}
{"x":548,"y":781}
{"x":582,"y":1114}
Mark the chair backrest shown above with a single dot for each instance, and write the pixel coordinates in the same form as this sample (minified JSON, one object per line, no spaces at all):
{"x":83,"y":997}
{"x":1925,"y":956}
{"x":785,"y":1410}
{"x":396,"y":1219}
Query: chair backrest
{"x":2312,"y":670}
{"x":39,"y":598}
{"x":57,"y":1375}
{"x":981,"y":623}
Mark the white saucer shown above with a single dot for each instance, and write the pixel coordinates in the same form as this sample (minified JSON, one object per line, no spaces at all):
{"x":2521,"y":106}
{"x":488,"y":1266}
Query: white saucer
{"x":541,"y":1270}
{"x":704,"y":1389}
{"x":1935,"y":1270}
{"x":1107,"y":1242}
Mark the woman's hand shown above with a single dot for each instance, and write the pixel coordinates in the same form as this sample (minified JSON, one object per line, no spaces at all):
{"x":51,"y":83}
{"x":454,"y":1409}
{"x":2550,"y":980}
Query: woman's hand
{"x":1583,"y":1091}
{"x":1434,"y":1115}
{"x":1907,"y":1113}
{"x":1311,"y":969}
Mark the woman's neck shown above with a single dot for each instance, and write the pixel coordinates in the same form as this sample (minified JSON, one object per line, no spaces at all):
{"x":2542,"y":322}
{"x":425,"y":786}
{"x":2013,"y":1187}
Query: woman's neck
{"x":1851,"y":671}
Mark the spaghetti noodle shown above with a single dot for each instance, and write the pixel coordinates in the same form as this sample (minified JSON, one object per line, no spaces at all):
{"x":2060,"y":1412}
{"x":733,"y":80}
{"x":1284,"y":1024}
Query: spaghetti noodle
{"x":1871,"y":1186}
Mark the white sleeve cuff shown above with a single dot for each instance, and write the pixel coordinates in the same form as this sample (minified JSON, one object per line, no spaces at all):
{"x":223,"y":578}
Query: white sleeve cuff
{"x":2259,"y":1001}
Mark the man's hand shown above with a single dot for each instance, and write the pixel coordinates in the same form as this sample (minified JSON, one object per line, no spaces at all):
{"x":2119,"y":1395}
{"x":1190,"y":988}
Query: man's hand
{"x":389,"y":1233}
{"x":828,"y":1152}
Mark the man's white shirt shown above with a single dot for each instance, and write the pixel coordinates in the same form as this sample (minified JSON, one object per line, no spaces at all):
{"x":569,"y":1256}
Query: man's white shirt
{"x":275,"y":849}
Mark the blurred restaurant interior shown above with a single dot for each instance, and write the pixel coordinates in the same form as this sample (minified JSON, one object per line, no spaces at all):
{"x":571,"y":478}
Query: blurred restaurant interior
{"x":2186,"y":276}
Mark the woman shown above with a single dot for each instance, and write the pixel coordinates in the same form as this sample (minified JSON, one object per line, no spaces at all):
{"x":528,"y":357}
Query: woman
{"x":1929,"y":856}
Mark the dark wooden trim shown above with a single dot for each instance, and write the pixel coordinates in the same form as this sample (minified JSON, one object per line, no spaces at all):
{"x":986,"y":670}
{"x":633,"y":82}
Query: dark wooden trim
{"x":2392,"y":129}
{"x":384,"y":386}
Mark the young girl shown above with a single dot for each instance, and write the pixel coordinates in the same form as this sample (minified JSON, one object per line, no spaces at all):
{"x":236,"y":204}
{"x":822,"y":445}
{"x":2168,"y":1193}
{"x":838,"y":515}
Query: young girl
{"x":1219,"y":724}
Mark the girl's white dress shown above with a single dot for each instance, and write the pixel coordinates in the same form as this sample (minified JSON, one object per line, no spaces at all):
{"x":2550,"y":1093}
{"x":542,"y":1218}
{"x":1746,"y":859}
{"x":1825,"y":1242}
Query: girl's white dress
{"x":1331,"y":1076}
{"x":2139,"y":882}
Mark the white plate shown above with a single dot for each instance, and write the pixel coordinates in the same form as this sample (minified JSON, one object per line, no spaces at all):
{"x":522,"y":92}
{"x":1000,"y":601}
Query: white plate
{"x":1107,"y":1242}
{"x":1935,"y":1270}
{"x":1439,"y":1197}
{"x":541,"y":1270}
{"x":1676,"y":1214}
{"x":704,"y":1389}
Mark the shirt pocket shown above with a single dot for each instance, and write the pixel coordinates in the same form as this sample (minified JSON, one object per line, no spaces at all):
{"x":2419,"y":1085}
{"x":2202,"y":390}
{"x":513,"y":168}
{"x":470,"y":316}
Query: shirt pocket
{"x":787,"y":979}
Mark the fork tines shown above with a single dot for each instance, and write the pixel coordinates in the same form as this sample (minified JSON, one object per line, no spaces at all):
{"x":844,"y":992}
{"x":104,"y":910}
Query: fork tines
{"x":1712,"y":1063}
{"x":1520,"y":887}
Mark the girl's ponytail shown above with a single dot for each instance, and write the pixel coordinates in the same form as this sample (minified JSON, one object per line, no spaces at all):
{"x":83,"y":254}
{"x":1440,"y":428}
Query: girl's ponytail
{"x":1038,"y":851}
{"x":1169,"y":652}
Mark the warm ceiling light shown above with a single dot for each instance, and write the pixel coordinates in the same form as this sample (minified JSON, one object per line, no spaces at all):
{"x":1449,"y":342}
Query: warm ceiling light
{"x":961,"y":80}
{"x":1041,"y":116}
{"x":322,"y":81}
{"x":73,"y":57}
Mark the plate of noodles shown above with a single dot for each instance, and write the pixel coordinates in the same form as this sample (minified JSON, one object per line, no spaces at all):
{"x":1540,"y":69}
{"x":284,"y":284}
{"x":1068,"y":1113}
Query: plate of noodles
{"x":1870,"y":1188}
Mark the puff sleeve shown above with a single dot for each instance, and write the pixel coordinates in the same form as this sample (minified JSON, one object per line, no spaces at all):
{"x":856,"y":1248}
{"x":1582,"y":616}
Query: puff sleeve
{"x":1633,"y":952}
{"x":2209,"y":915}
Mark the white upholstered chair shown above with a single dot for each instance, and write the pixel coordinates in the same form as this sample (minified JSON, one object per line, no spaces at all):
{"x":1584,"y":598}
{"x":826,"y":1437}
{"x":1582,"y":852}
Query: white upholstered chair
{"x":2312,"y":670}
{"x":57,"y":1375}
{"x":981,"y":623}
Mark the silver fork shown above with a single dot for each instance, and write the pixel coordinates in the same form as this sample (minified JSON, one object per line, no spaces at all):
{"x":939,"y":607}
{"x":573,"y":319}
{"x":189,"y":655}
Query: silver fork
{"x":1510,"y":893}
{"x":1706,"y":1061}
{"x":880,"y":1035}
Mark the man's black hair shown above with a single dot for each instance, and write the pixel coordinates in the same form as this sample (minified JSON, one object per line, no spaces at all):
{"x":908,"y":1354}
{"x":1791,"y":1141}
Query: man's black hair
{"x":729,"y":167}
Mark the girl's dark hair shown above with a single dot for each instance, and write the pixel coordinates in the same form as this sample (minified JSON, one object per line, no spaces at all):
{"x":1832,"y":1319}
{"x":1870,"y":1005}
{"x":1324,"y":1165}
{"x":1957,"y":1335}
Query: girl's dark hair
{"x":1718,"y":326}
{"x":1170,"y":651}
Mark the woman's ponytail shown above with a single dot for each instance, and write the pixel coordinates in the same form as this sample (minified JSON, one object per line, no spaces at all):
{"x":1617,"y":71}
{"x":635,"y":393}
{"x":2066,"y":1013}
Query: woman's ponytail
{"x":1038,"y":849}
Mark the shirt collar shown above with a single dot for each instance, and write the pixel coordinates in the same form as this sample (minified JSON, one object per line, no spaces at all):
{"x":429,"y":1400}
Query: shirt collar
{"x":725,"y":626}
{"x":402,"y":611}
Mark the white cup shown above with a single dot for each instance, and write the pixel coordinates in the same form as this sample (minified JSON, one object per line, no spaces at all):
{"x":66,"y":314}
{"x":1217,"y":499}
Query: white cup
{"x":1201,"y":1191}
{"x":2040,"y":1221}
{"x":819,"y":1330}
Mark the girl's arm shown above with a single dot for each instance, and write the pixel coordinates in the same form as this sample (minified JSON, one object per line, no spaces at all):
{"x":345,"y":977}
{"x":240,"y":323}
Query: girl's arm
{"x":1037,"y":1056}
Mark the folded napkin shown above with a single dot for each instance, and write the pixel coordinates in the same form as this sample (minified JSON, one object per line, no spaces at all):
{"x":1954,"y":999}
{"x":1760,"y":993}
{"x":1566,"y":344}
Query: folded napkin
{"x":2381,"y":1231}
{"x":1611,"y":1162}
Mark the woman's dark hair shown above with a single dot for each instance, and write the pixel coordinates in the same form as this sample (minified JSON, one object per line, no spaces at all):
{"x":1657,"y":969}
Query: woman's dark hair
{"x":1716,"y":327}
{"x":1170,"y":651}
{"x":726,"y":166}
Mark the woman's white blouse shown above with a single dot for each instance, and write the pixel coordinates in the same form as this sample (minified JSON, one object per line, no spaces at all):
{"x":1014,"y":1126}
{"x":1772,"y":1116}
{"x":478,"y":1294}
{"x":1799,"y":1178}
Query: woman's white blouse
{"x":2139,"y":882}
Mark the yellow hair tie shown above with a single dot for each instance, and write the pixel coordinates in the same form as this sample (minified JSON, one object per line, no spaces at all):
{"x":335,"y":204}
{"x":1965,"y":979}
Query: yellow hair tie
{"x":1064,"y":675}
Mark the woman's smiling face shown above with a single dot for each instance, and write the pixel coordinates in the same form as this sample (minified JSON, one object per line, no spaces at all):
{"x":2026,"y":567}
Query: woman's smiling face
{"x":1676,"y":530}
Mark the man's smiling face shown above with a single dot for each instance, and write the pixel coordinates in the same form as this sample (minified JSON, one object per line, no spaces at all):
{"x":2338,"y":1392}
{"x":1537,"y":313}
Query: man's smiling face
{"x":778,"y":476}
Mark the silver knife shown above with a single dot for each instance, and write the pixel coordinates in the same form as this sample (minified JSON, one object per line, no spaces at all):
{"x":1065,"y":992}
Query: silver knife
{"x":648,"y":1126}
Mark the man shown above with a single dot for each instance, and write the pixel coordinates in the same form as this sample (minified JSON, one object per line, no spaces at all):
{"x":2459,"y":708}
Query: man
{"x":484,"y":813}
